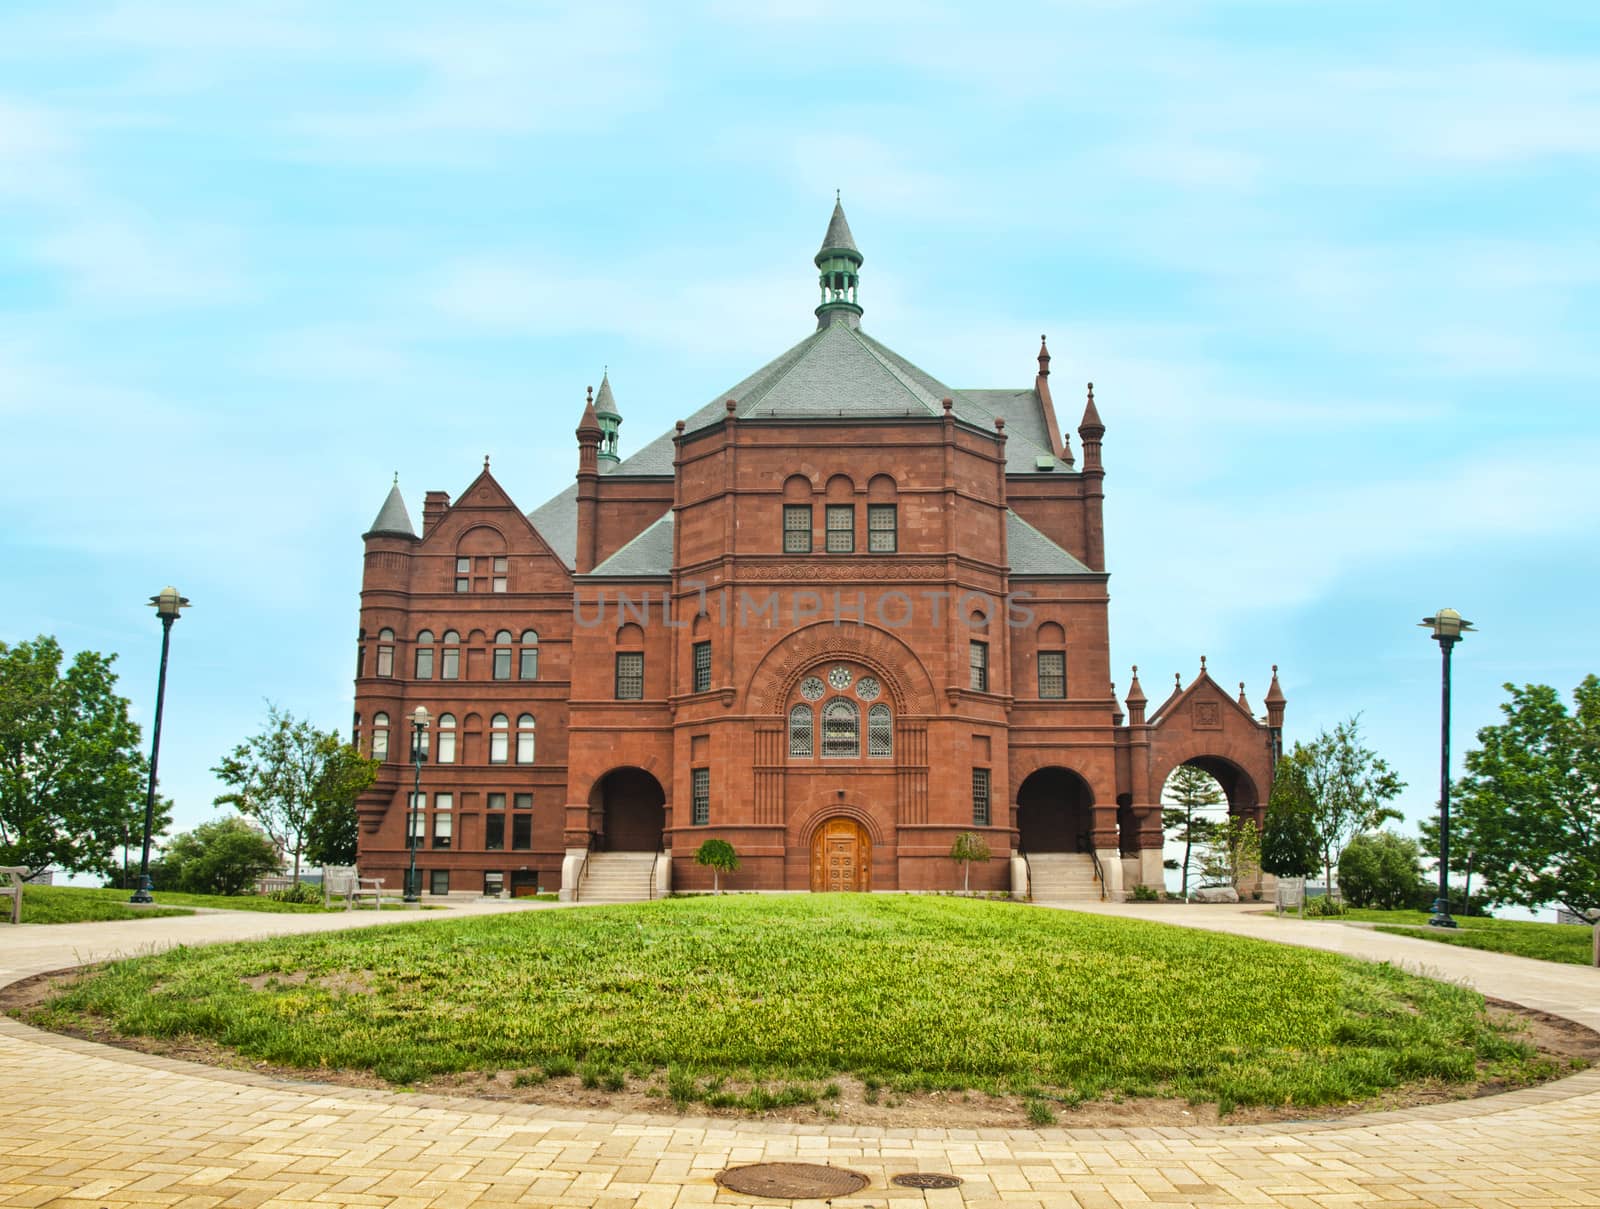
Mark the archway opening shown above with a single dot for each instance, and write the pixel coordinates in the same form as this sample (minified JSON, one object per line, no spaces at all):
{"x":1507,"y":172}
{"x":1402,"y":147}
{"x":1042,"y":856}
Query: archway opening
{"x":1198,"y":797}
{"x":629,"y":809}
{"x":1055,"y":812}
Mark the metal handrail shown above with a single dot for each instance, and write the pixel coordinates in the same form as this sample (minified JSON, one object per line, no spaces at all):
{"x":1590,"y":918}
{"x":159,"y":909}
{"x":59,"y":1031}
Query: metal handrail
{"x":1099,"y":873}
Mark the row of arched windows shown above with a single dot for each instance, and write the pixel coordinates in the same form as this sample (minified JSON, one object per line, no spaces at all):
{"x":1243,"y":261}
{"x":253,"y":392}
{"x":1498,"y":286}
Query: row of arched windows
{"x":841,"y":731}
{"x":443,"y":660}
{"x":440,"y":737}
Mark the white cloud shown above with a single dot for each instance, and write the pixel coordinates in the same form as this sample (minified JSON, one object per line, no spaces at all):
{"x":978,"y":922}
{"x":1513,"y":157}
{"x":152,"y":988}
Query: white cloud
{"x":114,"y":260}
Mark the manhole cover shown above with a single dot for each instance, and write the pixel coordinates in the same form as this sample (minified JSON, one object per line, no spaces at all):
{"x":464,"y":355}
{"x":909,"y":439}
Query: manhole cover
{"x":926,"y":1179}
{"x":792,"y":1181}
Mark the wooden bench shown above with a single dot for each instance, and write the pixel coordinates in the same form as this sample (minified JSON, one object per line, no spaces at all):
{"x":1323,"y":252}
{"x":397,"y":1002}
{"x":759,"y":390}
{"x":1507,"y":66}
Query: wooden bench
{"x":11,"y":878}
{"x":342,"y":881}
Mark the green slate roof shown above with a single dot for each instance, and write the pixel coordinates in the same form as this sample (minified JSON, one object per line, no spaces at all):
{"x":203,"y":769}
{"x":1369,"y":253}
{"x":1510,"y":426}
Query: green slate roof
{"x":393,"y":518}
{"x":838,"y":236}
{"x":648,"y":554}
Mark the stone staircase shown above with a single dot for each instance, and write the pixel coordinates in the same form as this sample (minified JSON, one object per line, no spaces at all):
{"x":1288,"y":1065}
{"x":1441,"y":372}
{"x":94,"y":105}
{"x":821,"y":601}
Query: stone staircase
{"x":617,"y":877}
{"x":1062,"y":877}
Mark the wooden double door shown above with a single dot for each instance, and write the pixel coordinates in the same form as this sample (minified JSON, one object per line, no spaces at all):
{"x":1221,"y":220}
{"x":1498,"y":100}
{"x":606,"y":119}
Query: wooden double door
{"x":841,"y":857}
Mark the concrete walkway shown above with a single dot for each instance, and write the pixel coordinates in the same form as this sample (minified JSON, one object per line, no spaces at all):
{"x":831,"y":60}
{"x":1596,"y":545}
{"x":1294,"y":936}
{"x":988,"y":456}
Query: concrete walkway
{"x":85,"y":1125}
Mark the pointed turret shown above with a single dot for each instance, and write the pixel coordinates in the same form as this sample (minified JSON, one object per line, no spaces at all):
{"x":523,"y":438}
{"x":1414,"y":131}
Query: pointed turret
{"x":839,"y":265}
{"x":1136,"y":700}
{"x":1091,"y":430}
{"x":589,"y":435}
{"x":393,"y":519}
{"x":609,"y":419}
{"x":1244,"y":702}
{"x":1275,"y":701}
{"x":1060,"y":444}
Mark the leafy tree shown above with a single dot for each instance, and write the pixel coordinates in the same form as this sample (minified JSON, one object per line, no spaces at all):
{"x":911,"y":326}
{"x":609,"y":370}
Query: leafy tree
{"x":1463,"y":856}
{"x":1189,"y":792}
{"x":1289,"y":833}
{"x":1529,"y":803}
{"x":224,"y":856}
{"x":1232,"y":852}
{"x":281,"y":777}
{"x":969,"y":847}
{"x":1379,"y":869}
{"x":1349,"y":786}
{"x":331,"y":837}
{"x":71,"y":776}
{"x":720,"y":858}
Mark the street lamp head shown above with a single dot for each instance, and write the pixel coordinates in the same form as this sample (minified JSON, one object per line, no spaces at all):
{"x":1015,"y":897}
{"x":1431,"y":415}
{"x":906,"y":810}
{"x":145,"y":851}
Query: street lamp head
{"x":419,"y":717}
{"x":168,"y":603}
{"x":1447,"y":625}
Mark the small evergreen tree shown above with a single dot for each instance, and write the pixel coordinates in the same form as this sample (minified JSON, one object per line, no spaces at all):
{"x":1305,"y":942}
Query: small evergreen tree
{"x":720,"y":857}
{"x":1189,"y":792}
{"x":969,"y":847}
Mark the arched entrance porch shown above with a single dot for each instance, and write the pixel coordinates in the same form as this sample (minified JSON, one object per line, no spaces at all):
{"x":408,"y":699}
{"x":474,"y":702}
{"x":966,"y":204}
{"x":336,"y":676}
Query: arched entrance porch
{"x":1055,"y":812}
{"x":627,"y":811}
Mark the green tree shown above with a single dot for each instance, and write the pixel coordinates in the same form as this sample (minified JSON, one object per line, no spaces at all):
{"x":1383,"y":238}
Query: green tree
{"x":1349,"y":786}
{"x":1190,"y":791}
{"x":130,"y":838}
{"x":1379,"y":869}
{"x":1232,"y":852}
{"x":331,"y":835}
{"x":1530,"y":800}
{"x":71,"y":776}
{"x":1289,"y":833}
{"x":720,"y":858}
{"x":969,"y":847}
{"x":224,"y":856}
{"x":281,"y":777}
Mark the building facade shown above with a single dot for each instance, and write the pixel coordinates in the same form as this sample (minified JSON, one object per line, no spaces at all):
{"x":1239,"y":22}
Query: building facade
{"x":840,"y":615}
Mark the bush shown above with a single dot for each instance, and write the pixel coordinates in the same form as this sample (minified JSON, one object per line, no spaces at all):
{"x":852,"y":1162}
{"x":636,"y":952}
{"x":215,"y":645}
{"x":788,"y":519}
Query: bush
{"x":221,"y":857}
{"x":300,"y":892}
{"x":1379,"y":870}
{"x":719,"y":856}
{"x":1146,"y":894}
{"x":1324,"y":905}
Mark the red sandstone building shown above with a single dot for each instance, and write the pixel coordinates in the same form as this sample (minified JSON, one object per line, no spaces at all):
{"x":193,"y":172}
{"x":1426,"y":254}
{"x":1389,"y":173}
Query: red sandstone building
{"x":840,"y":615}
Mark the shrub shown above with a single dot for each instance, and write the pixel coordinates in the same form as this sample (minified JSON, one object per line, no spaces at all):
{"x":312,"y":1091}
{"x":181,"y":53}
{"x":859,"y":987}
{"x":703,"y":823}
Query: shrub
{"x":969,"y":847}
{"x":1379,"y":870}
{"x":1146,"y":894}
{"x":224,"y":856}
{"x":1325,"y":905}
{"x":300,"y":892}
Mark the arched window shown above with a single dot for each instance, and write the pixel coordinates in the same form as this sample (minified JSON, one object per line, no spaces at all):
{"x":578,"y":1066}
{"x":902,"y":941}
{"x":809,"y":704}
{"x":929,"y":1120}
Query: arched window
{"x":502,"y":655}
{"x":841,"y":729}
{"x":499,"y":739}
{"x":380,"y":736}
{"x":528,"y":667}
{"x":525,"y":739}
{"x":385,"y":652}
{"x":880,"y":731}
{"x":447,"y":738}
{"x":425,"y":655}
{"x":800,"y":725}
{"x":450,"y":659}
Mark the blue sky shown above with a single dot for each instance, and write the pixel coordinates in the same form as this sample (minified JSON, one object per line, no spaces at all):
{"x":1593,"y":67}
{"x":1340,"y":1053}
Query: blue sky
{"x":1333,"y":269}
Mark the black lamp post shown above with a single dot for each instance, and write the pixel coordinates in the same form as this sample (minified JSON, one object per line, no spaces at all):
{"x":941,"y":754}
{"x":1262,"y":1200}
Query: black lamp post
{"x":1448,"y":626}
{"x":168,"y":604}
{"x":419,"y":753}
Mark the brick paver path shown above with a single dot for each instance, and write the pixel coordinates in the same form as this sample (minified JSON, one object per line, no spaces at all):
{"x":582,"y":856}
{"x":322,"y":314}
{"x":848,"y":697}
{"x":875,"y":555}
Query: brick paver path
{"x":83,"y":1125}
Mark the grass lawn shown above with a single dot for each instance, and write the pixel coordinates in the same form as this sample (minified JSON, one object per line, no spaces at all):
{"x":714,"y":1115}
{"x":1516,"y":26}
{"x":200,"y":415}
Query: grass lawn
{"x":75,"y":904}
{"x":72,"y":905}
{"x":1568,"y":943}
{"x":783,"y":993}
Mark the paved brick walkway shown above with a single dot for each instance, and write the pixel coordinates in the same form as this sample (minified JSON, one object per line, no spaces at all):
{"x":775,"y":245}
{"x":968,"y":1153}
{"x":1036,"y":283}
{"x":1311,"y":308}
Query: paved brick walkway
{"x":83,"y":1125}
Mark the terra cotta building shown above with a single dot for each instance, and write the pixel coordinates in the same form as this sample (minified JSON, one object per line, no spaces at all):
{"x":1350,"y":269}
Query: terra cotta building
{"x":840,"y":615}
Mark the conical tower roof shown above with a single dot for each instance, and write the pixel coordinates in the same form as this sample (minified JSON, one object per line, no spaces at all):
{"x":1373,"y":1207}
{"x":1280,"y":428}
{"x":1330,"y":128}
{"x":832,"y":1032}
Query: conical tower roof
{"x":838,"y":238}
{"x":392,"y":517}
{"x":605,"y":404}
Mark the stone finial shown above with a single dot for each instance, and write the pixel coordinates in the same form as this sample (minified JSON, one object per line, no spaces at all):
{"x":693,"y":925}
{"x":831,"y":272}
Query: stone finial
{"x":486,"y":461}
{"x":999,"y":423}
{"x":730,"y":406}
{"x":947,"y":403}
{"x":1202,"y":665}
{"x":1044,"y":358}
{"x":680,"y":426}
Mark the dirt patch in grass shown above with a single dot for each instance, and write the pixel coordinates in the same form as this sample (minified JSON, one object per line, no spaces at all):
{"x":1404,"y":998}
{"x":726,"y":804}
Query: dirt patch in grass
{"x":843,"y":1099}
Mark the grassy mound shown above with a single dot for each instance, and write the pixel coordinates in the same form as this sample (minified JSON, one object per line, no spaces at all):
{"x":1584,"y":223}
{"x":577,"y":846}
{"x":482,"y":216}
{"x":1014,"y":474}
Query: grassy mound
{"x":910,"y":992}
{"x":76,"y":905}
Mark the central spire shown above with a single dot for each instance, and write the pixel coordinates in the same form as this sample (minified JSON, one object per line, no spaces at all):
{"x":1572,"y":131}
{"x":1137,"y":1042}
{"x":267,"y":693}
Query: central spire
{"x":605,"y":411}
{"x":839,"y":263}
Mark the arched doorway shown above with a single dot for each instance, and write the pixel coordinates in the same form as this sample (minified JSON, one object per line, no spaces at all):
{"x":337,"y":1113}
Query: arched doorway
{"x":629,"y":811}
{"x":841,"y":856}
{"x":1055,"y":812}
{"x":1198,"y":796}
